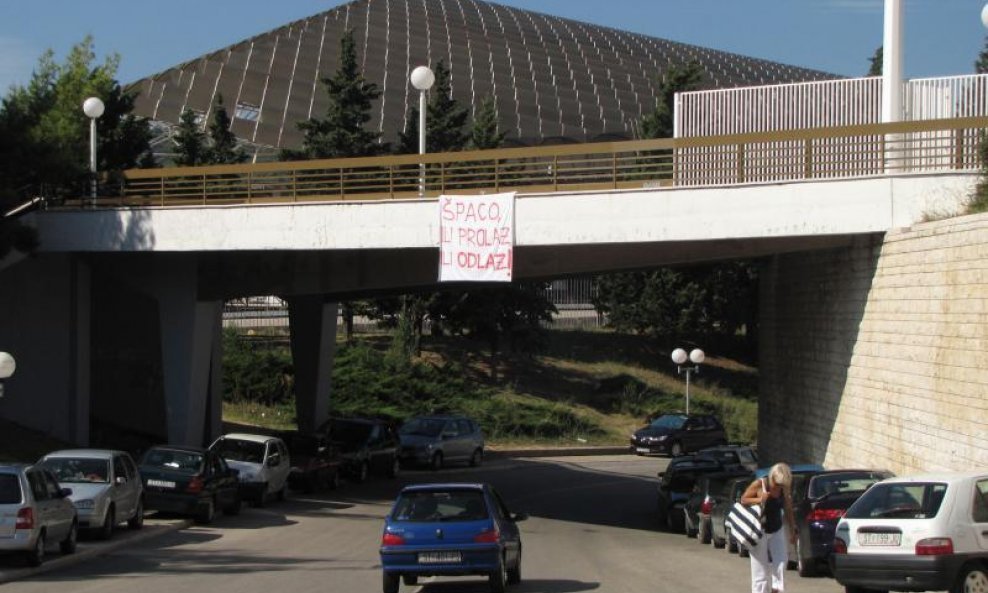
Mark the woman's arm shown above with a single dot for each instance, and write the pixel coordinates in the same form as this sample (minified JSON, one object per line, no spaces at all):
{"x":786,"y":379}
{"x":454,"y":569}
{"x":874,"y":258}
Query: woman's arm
{"x":754,"y":494}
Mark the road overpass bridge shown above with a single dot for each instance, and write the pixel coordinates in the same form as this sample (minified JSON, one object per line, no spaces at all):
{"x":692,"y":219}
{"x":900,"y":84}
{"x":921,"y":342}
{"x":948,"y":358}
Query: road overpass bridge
{"x":146,"y":273}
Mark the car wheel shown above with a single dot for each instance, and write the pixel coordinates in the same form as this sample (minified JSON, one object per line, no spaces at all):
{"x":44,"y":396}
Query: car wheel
{"x":280,"y":495}
{"x":743,"y":551}
{"x":973,"y":578}
{"x":410,"y":579}
{"x":362,"y":472}
{"x":207,"y":513}
{"x":68,"y":545}
{"x":262,"y":498}
{"x":109,"y":521}
{"x":436,"y":463}
{"x":234,"y":507}
{"x":476,"y":458}
{"x":677,"y":524}
{"x":704,"y":532}
{"x":395,"y":468}
{"x":37,"y":554}
{"x":718,"y":542}
{"x":732,"y":544}
{"x":850,"y":589}
{"x":676,"y":449}
{"x":390,"y":583}
{"x":805,"y":566}
{"x":499,"y":578}
{"x":514,"y":574}
{"x":137,"y":521}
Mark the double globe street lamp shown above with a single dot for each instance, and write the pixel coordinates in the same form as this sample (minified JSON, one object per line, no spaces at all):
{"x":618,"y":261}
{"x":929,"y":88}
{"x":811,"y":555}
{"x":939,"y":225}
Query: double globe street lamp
{"x":696,"y":356}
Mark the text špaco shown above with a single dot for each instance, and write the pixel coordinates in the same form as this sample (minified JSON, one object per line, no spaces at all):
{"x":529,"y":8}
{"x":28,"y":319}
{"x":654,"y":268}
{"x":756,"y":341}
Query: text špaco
{"x":476,"y":238}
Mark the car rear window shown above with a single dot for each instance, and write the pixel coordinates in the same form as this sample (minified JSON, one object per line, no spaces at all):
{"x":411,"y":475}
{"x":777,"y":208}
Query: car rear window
{"x":10,"y":489}
{"x":440,"y":505}
{"x":188,"y":462}
{"x":239,"y":450}
{"x":899,"y":500}
{"x":426,"y":427}
{"x":78,"y":470}
{"x":831,"y":484}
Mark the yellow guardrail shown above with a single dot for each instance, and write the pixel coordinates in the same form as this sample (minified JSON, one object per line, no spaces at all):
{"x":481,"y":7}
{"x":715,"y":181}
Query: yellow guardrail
{"x":819,"y":153}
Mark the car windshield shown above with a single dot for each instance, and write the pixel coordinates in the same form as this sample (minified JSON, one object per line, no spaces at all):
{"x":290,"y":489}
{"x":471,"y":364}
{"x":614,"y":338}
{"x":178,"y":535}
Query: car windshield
{"x":10,"y":489}
{"x":425,"y":427}
{"x":440,"y":505}
{"x":669,"y":421}
{"x":239,"y":450}
{"x":186,"y":462}
{"x":349,"y":432}
{"x":899,"y":500}
{"x":831,"y":484}
{"x":79,"y":470}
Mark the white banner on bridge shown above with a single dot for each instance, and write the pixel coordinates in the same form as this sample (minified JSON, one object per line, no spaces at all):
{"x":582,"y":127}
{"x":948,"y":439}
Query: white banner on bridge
{"x":476,"y":238}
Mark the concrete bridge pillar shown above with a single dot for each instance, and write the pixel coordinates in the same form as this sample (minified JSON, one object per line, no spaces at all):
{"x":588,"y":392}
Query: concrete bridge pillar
{"x":312,"y":321}
{"x":191,"y":355}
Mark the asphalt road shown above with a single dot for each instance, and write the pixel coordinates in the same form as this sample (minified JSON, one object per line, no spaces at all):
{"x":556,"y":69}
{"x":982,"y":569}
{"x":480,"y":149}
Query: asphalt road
{"x":592,"y":528}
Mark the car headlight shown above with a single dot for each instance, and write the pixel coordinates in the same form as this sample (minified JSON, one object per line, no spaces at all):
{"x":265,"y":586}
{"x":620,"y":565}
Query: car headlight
{"x":662,"y":437}
{"x":86,"y":503}
{"x":247,"y":476}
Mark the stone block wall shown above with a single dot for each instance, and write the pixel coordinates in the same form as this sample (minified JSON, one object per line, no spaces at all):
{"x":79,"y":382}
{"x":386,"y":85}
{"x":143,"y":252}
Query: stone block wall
{"x":876,"y":355}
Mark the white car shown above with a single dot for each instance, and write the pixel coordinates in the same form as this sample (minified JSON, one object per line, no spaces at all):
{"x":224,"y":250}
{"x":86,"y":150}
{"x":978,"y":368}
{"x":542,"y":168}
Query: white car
{"x":106,"y":487}
{"x":262,"y":461}
{"x":916,"y":533}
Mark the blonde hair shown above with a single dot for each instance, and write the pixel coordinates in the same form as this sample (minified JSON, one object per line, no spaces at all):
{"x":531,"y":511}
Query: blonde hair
{"x":780,"y":474}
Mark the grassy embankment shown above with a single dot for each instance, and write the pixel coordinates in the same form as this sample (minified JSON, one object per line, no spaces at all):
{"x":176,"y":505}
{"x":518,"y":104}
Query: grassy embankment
{"x":587,"y":387}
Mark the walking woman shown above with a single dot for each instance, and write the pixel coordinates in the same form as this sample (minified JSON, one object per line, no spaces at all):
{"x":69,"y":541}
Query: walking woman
{"x":769,"y":557}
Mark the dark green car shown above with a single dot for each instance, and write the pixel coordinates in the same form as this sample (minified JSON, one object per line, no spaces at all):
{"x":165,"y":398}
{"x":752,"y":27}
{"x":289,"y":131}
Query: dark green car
{"x":189,"y":481}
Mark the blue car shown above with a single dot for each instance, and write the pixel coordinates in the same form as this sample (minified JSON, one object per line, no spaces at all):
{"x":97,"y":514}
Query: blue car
{"x":451,"y":530}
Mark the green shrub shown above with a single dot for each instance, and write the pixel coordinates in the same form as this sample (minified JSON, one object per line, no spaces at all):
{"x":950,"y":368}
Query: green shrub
{"x":256,"y":371}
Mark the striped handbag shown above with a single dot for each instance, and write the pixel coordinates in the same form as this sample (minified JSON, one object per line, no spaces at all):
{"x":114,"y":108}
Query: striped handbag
{"x":746,"y":523}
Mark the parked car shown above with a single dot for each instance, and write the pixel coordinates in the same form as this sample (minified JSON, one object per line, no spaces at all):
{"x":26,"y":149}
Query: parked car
{"x":367,"y":445}
{"x":315,"y":462}
{"x":741,"y":457}
{"x":450,"y":530}
{"x":720,"y":532}
{"x":35,"y":512}
{"x":676,"y":434}
{"x":676,"y":484}
{"x":262,"y":461}
{"x":698,"y":510}
{"x":916,"y":533}
{"x":106,"y":487}
{"x":189,"y":481}
{"x":436,"y":440}
{"x":819,"y":501}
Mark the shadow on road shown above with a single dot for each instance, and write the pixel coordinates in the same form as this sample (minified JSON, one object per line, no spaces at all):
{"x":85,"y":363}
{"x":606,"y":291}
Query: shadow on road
{"x":526,"y":586}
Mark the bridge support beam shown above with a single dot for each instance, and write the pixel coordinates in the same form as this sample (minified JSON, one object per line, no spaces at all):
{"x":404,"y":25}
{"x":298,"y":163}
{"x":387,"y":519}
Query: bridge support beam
{"x":312,"y":321}
{"x":191,"y":355}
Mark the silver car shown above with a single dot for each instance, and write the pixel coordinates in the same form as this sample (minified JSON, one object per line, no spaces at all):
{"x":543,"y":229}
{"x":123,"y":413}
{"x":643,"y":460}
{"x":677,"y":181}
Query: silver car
{"x":106,"y":487}
{"x":437,"y":440}
{"x":35,"y":512}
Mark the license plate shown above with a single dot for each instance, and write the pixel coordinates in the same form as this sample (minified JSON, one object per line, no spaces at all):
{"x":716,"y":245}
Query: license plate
{"x":642,"y":449}
{"x":879,"y":539}
{"x":439,"y":557}
{"x":161,"y":483}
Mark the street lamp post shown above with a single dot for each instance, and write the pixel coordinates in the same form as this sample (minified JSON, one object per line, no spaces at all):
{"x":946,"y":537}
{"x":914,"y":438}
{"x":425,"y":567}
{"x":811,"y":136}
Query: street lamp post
{"x":93,"y":108}
{"x":679,"y":357}
{"x":7,"y":368}
{"x":422,"y":78}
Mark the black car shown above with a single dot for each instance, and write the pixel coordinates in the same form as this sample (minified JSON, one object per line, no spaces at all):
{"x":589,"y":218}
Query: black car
{"x":730,"y":493}
{"x":707,"y":495}
{"x":676,"y":434}
{"x":819,"y":501}
{"x":189,"y":481}
{"x":741,"y":457}
{"x":315,"y":462}
{"x":676,"y":485}
{"x":367,"y":446}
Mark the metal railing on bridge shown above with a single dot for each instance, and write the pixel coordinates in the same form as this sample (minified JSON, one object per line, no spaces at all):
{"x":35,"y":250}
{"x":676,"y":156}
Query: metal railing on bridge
{"x":802,"y":154}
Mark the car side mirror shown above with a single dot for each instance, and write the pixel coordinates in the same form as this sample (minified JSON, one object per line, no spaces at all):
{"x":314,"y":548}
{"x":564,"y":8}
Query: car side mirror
{"x":519,"y":517}
{"x":121,"y":480}
{"x":273,"y":461}
{"x":65,"y":492}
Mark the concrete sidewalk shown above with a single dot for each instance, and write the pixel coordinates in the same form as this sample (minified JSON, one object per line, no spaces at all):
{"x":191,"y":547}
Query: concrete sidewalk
{"x":537,"y":451}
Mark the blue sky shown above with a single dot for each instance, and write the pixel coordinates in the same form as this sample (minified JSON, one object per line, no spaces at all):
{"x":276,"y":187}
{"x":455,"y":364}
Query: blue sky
{"x":943,"y":37}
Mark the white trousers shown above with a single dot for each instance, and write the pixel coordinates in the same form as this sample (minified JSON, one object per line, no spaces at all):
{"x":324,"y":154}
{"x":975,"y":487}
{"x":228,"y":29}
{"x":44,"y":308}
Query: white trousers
{"x":768,"y":562}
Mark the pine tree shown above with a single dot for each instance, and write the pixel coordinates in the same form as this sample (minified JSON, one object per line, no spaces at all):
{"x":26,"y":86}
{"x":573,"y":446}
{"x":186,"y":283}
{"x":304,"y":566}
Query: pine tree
{"x":445,"y":120}
{"x":981,"y":65}
{"x":485,"y":133}
{"x":876,"y":62}
{"x":341,"y":133}
{"x":190,"y":141}
{"x":223,"y":148}
{"x":677,"y":79}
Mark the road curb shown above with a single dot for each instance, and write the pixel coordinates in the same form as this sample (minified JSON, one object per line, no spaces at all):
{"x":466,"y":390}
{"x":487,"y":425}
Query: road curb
{"x":554,"y":452}
{"x":63,"y":561}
